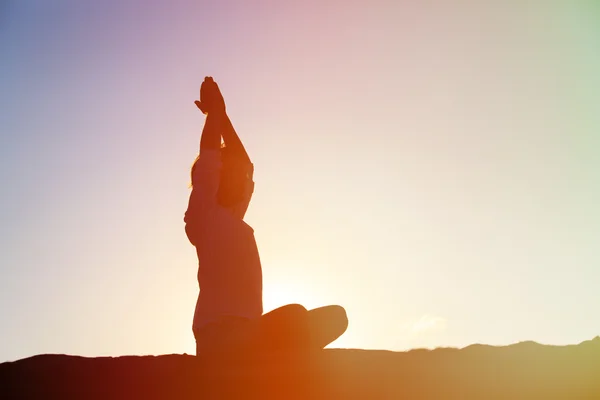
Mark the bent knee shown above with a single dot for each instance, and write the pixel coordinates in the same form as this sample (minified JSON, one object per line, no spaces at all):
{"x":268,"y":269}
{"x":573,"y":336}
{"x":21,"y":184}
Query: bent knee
{"x":339,"y":314}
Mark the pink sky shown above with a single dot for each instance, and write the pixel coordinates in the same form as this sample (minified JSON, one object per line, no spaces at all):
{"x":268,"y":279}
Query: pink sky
{"x":432,"y":169}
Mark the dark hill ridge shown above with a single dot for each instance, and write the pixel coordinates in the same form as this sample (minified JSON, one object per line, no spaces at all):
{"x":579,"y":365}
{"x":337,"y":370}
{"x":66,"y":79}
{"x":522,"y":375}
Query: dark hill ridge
{"x":521,"y":371}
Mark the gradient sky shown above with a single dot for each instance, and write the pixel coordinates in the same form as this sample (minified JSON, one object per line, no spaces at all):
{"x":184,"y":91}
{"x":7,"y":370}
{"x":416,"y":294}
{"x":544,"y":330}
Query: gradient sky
{"x":434,"y":168}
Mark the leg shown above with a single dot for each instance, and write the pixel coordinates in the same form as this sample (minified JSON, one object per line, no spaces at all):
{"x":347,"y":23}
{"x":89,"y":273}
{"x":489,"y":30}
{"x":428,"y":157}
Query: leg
{"x":326,"y":324}
{"x":284,"y":328}
{"x":293,"y":327}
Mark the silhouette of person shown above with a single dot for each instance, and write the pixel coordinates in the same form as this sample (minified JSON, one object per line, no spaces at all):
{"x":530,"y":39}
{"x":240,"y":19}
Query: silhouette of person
{"x":229,"y":310}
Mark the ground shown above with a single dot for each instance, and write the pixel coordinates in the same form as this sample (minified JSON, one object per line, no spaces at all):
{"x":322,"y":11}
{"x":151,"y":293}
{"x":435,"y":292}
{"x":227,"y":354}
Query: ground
{"x":521,"y":371}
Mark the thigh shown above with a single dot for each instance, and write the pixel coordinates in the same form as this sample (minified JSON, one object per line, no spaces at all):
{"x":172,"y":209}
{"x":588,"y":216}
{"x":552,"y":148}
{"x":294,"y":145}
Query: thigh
{"x":327,"y":315}
{"x":326,"y":324}
{"x":284,"y":327}
{"x":289,"y":313}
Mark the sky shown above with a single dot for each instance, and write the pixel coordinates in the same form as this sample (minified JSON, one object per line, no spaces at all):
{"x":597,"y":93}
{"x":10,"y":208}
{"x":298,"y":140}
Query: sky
{"x":430,"y":166}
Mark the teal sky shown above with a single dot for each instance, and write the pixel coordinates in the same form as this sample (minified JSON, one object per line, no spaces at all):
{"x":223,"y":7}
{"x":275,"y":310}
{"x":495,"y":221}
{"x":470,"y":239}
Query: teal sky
{"x":432,"y":168}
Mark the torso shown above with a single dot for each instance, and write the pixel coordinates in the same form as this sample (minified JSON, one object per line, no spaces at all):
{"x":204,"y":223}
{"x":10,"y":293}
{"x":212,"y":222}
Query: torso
{"x":229,"y":273}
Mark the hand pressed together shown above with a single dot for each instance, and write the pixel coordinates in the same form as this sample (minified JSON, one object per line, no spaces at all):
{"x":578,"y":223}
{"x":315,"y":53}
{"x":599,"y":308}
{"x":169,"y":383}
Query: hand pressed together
{"x":211,"y":99}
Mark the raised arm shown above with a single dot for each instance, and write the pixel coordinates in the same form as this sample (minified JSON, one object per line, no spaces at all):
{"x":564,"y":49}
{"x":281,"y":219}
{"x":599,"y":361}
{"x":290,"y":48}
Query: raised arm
{"x":235,"y":183}
{"x":213,"y":126}
{"x":212,"y":103}
{"x":205,"y":172}
{"x":211,"y":133}
{"x":232,"y":140}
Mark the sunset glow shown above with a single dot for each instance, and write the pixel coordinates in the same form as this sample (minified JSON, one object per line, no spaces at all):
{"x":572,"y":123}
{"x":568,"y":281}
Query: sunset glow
{"x":433,"y":169}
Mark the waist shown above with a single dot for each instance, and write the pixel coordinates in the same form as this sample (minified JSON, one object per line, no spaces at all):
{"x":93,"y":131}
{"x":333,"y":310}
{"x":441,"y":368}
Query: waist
{"x":228,"y":320}
{"x":226,"y":308}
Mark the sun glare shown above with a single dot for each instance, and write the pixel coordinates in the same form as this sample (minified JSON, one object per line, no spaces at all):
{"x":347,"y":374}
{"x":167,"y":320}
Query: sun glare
{"x":280,"y":294}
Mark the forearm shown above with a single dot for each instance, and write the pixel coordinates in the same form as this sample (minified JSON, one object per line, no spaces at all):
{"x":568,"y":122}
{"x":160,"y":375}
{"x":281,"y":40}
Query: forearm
{"x":232,"y":140}
{"x":211,"y":133}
